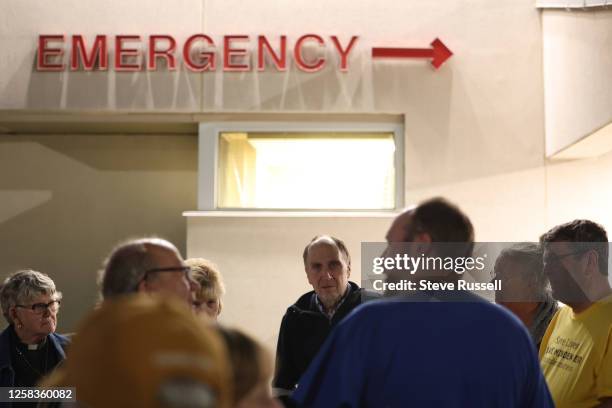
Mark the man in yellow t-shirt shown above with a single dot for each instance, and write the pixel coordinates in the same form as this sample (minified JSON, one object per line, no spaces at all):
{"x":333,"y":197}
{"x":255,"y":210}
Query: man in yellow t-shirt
{"x":576,"y":351}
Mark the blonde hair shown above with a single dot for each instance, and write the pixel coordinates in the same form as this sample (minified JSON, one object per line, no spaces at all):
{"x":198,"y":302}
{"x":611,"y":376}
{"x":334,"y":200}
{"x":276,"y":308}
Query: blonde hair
{"x":208,"y":276}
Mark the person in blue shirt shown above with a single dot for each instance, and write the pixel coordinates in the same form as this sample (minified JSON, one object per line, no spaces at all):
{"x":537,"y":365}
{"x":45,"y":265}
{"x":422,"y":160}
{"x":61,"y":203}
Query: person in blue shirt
{"x":436,"y":350}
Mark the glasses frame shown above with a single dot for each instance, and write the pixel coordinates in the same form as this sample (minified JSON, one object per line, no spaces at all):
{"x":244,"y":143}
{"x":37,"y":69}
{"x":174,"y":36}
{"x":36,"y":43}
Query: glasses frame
{"x":185,"y":269}
{"x":46,"y":306}
{"x":558,"y":258}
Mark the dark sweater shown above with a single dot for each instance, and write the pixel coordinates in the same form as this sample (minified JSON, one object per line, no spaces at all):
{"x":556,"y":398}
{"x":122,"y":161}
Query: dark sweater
{"x":302,"y":333}
{"x":13,"y":369}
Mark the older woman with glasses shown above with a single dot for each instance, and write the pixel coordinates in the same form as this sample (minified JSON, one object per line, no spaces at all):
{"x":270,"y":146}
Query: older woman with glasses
{"x":29,"y":347}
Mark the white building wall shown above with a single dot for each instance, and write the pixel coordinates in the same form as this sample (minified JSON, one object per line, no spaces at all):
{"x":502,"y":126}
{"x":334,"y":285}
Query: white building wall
{"x":481,"y":113}
{"x":577,"y":66}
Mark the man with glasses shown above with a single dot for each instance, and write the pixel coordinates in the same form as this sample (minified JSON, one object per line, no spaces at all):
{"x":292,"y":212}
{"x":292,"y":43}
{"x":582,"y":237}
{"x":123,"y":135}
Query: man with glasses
{"x":576,"y":351}
{"x":150,"y":265}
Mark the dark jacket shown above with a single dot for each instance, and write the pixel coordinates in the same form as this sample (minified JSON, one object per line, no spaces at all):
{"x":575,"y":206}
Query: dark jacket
{"x":302,"y":333}
{"x":7,"y":373}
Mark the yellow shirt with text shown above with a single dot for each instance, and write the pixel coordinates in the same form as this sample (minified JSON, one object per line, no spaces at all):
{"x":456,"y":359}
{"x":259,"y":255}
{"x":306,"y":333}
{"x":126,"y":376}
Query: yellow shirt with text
{"x":576,"y":355}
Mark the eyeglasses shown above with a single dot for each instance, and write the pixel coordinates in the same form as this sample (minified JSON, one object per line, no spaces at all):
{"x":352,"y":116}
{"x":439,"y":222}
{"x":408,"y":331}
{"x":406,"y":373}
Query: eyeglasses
{"x":40,"y":308}
{"x":555,"y":259}
{"x":185,"y":269}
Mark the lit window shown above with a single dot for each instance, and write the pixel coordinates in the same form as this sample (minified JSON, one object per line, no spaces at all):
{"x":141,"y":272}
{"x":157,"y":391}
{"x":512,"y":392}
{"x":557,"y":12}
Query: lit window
{"x":309,"y":170}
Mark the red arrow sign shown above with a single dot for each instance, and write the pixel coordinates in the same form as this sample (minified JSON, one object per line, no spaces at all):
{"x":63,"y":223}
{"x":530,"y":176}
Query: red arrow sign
{"x":438,"y":53}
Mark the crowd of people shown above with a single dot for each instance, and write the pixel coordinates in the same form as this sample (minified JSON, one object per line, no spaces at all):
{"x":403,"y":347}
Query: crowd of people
{"x":154,"y":339}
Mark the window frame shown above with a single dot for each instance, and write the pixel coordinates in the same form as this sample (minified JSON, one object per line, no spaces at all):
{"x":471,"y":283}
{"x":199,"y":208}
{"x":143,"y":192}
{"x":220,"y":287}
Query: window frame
{"x":571,"y":4}
{"x":208,"y":155}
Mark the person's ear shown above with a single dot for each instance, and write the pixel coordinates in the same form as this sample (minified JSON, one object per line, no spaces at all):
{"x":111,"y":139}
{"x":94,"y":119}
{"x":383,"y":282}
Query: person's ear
{"x":309,"y":277}
{"x":142,"y":286}
{"x":422,"y":243}
{"x":13,"y":312}
{"x":422,"y":237}
{"x":14,"y":318}
{"x":592,"y":263}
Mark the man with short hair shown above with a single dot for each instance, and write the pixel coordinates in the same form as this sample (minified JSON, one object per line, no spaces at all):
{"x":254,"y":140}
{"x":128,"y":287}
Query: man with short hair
{"x":308,"y":322}
{"x":148,"y":265}
{"x":430,"y":353}
{"x":576,"y":351}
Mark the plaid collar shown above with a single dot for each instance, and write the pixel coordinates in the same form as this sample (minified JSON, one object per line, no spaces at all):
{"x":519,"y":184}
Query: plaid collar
{"x":330,"y":314}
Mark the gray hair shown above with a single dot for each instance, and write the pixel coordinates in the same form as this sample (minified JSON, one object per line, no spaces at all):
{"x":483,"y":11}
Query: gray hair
{"x":22,"y":287}
{"x":127,"y":264}
{"x":529,"y":255}
{"x":337,"y":241}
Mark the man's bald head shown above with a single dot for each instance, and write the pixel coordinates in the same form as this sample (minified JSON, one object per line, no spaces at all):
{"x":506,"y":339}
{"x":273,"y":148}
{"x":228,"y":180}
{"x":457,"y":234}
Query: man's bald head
{"x":327,"y":239}
{"x":128,"y":262}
